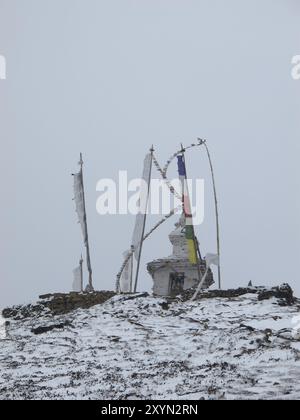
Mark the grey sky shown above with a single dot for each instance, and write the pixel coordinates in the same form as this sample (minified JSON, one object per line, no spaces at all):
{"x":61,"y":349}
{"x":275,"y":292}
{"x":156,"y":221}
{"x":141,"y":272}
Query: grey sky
{"x":109,"y":78}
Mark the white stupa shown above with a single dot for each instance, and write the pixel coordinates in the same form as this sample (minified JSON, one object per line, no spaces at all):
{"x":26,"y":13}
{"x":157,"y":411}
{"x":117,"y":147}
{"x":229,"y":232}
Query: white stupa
{"x":175,"y":273}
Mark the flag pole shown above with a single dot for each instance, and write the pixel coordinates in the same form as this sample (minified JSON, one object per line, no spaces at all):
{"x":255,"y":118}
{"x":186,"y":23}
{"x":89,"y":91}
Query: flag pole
{"x":216,"y":206}
{"x":196,"y":245}
{"x":144,"y":224}
{"x":200,"y":284}
{"x":131,"y":268}
{"x":88,"y":258}
{"x":81,"y":274}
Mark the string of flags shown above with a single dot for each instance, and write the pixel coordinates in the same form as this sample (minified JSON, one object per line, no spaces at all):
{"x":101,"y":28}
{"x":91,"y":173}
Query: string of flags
{"x":124,"y":282}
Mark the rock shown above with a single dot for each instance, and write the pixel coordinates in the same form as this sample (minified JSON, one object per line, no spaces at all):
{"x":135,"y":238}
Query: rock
{"x":21,"y":312}
{"x":165,"y":306}
{"x":296,"y":334}
{"x":43,"y":330}
{"x":283,"y":292}
{"x":65,"y":303}
{"x":210,"y":294}
{"x":58,"y":304}
{"x":135,"y":296}
{"x":248,"y":327}
{"x":47,"y":296}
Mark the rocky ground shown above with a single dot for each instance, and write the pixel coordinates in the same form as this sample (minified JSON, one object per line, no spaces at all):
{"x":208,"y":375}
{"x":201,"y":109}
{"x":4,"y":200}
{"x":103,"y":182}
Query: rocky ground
{"x":57,"y":304}
{"x":238,"y":344}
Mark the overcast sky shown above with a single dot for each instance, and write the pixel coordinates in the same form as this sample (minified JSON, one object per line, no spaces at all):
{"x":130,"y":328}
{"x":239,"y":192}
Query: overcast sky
{"x":108,"y":79}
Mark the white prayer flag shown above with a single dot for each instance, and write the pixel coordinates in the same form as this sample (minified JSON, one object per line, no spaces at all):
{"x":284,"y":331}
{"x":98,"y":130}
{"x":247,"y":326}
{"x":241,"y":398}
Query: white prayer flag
{"x":212,"y":259}
{"x":140,"y":217}
{"x":79,"y":203}
{"x":126,"y":274}
{"x":77,"y":282}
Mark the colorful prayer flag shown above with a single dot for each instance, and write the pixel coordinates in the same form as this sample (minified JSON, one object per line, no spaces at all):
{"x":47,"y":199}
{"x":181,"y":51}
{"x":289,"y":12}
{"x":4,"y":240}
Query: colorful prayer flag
{"x":189,"y":227}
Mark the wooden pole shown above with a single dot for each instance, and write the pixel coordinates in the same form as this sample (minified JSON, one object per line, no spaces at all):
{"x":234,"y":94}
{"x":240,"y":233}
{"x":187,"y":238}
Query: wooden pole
{"x":88,"y":258}
{"x":131,"y":269}
{"x":200,"y":284}
{"x":144,"y":224}
{"x":81,"y":274}
{"x":216,"y":209}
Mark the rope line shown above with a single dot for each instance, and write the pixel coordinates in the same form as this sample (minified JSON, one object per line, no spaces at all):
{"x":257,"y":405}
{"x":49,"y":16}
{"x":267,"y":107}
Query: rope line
{"x":165,"y":179}
{"x":163,"y":172}
{"x":170,"y":160}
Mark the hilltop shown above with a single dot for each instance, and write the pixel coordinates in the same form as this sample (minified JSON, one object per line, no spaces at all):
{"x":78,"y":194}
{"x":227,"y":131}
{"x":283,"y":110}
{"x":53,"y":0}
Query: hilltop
{"x":238,"y":344}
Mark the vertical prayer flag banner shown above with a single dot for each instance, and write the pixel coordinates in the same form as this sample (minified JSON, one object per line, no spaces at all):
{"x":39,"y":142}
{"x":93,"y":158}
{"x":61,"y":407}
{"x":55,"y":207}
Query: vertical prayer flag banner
{"x":140,"y":217}
{"x":79,"y":203}
{"x":190,"y":238}
{"x":81,"y":213}
{"x":127,"y":273}
{"x":181,"y":166}
{"x":189,"y":228}
{"x":77,"y":282}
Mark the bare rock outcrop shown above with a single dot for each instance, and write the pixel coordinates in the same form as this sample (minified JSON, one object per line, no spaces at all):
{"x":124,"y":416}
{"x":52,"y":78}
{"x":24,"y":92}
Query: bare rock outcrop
{"x":58,"y":304}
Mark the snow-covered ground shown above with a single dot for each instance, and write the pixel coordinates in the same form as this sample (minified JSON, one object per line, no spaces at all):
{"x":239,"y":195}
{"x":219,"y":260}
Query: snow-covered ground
{"x":136,"y":349}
